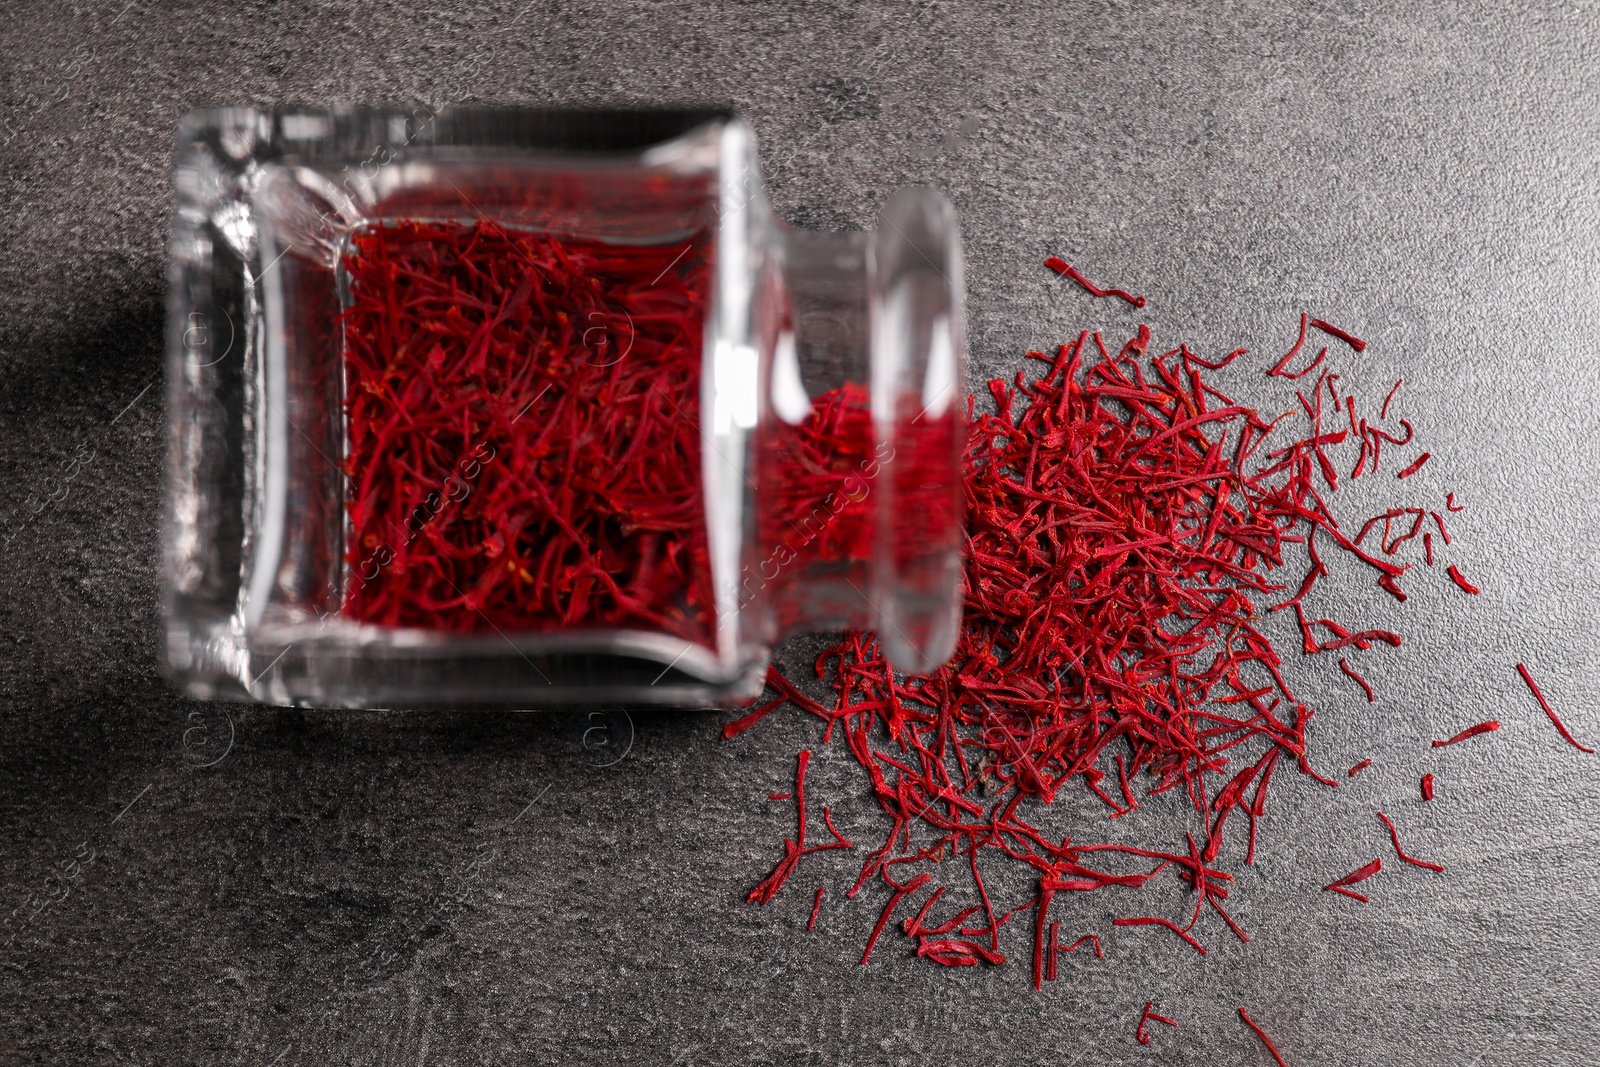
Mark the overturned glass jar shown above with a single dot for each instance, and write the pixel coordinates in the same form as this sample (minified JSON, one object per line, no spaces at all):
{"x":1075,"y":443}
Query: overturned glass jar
{"x":525,"y":407}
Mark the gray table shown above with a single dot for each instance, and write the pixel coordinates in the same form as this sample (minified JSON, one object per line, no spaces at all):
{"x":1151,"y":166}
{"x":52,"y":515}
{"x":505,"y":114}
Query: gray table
{"x":294,"y":887}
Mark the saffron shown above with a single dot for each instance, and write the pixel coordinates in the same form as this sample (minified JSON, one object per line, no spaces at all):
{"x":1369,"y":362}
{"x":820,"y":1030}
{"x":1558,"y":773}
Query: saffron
{"x":1415,"y":466}
{"x":1150,"y":1016}
{"x":1548,"y":710}
{"x":1471,"y":731}
{"x":1129,"y":525}
{"x":1361,"y":874}
{"x":1265,"y":1040}
{"x":1060,"y":266}
{"x":1460,"y":579}
{"x":506,"y":471}
{"x":1398,"y":851}
{"x":1354,"y":342}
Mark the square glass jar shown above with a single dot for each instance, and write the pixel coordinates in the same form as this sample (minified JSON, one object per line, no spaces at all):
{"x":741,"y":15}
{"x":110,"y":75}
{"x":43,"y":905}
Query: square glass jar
{"x":266,"y":553}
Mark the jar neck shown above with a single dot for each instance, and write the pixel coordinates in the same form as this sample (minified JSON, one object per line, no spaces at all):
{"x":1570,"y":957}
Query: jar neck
{"x":858,"y":452}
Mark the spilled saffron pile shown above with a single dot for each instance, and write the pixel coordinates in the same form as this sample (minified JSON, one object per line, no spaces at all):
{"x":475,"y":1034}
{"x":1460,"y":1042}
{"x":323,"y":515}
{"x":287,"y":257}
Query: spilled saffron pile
{"x":1130,"y":529}
{"x":523,"y":431}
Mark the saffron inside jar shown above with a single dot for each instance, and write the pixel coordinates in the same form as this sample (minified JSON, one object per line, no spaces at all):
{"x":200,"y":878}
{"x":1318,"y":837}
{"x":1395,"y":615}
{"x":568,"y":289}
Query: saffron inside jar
{"x":824,"y":518}
{"x":522,"y":414}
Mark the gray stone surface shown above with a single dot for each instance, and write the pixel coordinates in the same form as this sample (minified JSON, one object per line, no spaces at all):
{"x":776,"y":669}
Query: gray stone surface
{"x":289,"y":887}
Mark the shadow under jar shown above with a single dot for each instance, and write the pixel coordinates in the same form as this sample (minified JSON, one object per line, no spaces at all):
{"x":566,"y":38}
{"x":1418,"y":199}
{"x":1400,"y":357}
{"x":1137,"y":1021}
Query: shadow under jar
{"x":510,"y":407}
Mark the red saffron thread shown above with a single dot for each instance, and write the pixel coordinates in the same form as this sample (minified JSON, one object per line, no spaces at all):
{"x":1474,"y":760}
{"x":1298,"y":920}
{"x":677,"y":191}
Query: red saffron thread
{"x":899,"y":894}
{"x":1265,"y":1040}
{"x":816,"y":907}
{"x":1361,"y":874}
{"x":1088,"y":937}
{"x":794,"y":849}
{"x":1277,"y":369}
{"x":1384,"y":412}
{"x":1548,"y":710}
{"x":1358,"y":768}
{"x":1471,"y":731}
{"x":1150,"y":1016}
{"x":1362,"y":682}
{"x":1457,"y":577}
{"x":1427,"y":786}
{"x":1451,"y":505}
{"x":1354,"y":342}
{"x":1398,"y":851}
{"x":1415,"y":466}
{"x":1060,"y":266}
{"x":1152,"y":920}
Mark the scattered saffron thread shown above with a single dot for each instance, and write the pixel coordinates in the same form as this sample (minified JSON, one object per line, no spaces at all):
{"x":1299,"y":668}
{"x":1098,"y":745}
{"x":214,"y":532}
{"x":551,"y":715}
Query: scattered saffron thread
{"x":1394,"y":836}
{"x":1472,"y":731}
{"x":794,"y":849}
{"x":1358,"y":768}
{"x":1150,"y":1016}
{"x":1384,"y":413}
{"x":1427,"y":786}
{"x":1152,"y":920}
{"x":1460,"y":579}
{"x":1415,"y":466}
{"x":1265,"y":1040}
{"x":1087,"y":937}
{"x":1548,"y":710}
{"x":1342,"y":885}
{"x":1060,"y":266}
{"x":1126,"y":520}
{"x":816,"y":906}
{"x":1354,"y":342}
{"x":1362,"y":682}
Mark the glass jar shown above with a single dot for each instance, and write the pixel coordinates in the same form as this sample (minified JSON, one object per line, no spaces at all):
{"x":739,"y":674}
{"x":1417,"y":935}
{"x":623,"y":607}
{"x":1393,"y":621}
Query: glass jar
{"x":440,"y":437}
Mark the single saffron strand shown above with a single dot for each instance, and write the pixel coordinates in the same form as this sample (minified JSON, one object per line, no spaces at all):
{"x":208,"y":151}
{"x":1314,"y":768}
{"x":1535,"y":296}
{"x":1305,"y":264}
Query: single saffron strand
{"x":888,"y":909}
{"x":1398,"y":851}
{"x":1360,"y":874}
{"x":1472,"y":731}
{"x":1099,"y":954}
{"x":1439,"y":520}
{"x":1152,"y":920}
{"x":1351,"y":893}
{"x":1457,"y":577}
{"x":1276,"y":370}
{"x":816,"y":907}
{"x":1415,"y":466}
{"x":1384,"y":413}
{"x":1362,"y":682}
{"x":1262,"y":1034}
{"x":1060,"y":266}
{"x":1055,"y":948}
{"x":1150,"y":1016}
{"x":1354,"y":342}
{"x":750,"y":718}
{"x":1548,"y":710}
{"x":1358,"y":768}
{"x":1451,"y":505}
{"x":1427,"y":786}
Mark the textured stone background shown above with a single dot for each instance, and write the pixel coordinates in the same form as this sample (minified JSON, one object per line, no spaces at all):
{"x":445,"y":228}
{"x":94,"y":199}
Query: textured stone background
{"x":289,"y":887}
